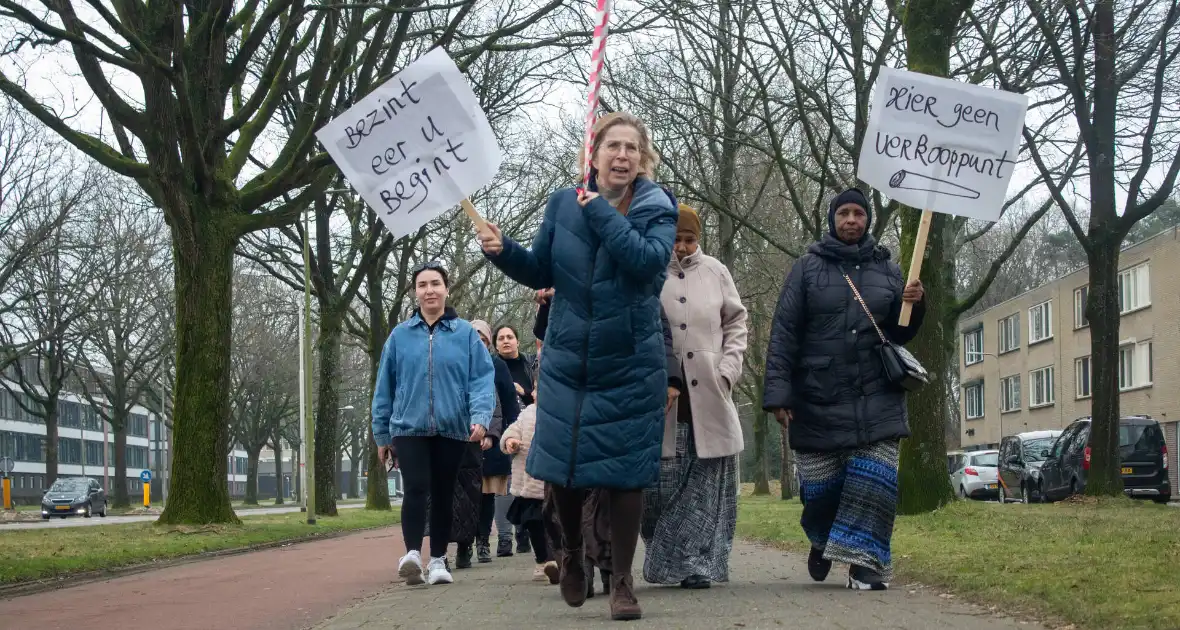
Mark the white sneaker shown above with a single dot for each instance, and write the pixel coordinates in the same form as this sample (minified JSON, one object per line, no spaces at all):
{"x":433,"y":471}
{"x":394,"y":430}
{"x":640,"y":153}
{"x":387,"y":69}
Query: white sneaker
{"x":410,"y":568}
{"x":437,"y":573}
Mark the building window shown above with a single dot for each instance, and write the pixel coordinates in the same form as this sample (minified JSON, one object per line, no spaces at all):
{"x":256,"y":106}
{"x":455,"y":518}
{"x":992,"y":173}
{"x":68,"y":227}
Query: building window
{"x":91,"y":420}
{"x":1040,"y":391}
{"x":137,"y":457}
{"x":1040,"y":322}
{"x":1081,"y":297}
{"x":93,"y":453}
{"x":1010,"y":394}
{"x":1082,"y":376}
{"x":138,"y":426}
{"x":973,"y":347}
{"x":1135,"y":366}
{"x":1134,"y":288}
{"x":973,"y":401}
{"x":70,"y":414}
{"x":1010,"y":333}
{"x":69,"y":451}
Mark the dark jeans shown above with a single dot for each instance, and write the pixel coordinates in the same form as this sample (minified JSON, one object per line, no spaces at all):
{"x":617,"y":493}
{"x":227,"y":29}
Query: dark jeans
{"x":429,"y":465}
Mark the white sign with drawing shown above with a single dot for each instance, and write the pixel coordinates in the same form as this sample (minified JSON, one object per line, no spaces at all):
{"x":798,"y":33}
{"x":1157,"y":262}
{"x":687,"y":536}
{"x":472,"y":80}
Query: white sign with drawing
{"x":942,"y":145}
{"x":417,"y":145}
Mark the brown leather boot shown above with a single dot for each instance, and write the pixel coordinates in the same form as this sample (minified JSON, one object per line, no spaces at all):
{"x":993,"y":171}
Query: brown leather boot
{"x":573,"y":577}
{"x":623,"y":605}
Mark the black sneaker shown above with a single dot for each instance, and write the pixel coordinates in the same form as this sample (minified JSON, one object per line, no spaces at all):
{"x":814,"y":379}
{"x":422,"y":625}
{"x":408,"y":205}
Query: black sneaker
{"x":463,"y":557}
{"x":504,"y":549}
{"x":817,"y":566}
{"x":484,"y":551}
{"x":865,"y":579}
{"x":695,"y":582}
{"x":523,"y":546}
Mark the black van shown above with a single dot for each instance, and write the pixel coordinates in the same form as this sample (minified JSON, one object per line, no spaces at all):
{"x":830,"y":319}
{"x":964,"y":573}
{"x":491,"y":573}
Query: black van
{"x":1142,"y":451}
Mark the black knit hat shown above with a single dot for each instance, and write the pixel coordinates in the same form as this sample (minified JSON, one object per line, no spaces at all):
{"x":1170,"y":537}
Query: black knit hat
{"x":432,"y":265}
{"x":852,"y":195}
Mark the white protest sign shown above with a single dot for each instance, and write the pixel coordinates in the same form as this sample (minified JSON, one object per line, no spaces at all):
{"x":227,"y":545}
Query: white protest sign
{"x":416,"y":146}
{"x":942,"y":145}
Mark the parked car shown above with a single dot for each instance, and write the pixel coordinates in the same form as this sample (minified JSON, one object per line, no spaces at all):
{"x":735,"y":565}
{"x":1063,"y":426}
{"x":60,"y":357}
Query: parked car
{"x":975,"y":474}
{"x":70,"y":496}
{"x":1142,"y":451}
{"x":1021,"y":458}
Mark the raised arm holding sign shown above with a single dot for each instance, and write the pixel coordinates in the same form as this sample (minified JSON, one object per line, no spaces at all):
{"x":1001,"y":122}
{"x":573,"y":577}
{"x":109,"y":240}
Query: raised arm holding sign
{"x":943,"y":146}
{"x":416,"y":146}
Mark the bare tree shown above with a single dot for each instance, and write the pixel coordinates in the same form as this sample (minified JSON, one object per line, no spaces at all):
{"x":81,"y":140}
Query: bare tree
{"x":46,"y":323}
{"x":37,"y":195}
{"x":265,"y":384}
{"x":211,"y":80}
{"x":1117,"y":66}
{"x":124,"y":334}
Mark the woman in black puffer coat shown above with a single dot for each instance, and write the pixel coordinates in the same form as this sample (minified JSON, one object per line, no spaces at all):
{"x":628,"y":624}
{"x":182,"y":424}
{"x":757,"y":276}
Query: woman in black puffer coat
{"x":825,"y":380}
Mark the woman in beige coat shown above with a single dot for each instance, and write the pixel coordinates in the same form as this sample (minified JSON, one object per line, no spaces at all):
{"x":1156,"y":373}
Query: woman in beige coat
{"x":689,"y":517}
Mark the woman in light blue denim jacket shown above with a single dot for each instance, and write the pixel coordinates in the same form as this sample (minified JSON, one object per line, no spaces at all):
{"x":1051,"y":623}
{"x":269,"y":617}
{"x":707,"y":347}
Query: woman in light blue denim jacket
{"x":435,"y":394}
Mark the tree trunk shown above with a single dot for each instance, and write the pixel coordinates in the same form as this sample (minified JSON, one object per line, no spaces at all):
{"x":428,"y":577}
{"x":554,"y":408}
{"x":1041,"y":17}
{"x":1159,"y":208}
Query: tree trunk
{"x":785,"y":474}
{"x":922,"y":480}
{"x":1105,"y":245}
{"x":204,"y":306}
{"x":252,"y":477}
{"x":327,"y":417}
{"x":354,"y":469}
{"x":1103,"y":311}
{"x":377,"y":491}
{"x":298,"y":473}
{"x":280,"y":487}
{"x":119,"y":482}
{"x":50,"y":406}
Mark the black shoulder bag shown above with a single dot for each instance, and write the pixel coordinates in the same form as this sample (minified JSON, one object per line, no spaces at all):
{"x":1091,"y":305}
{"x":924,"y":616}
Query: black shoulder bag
{"x":901,"y":367}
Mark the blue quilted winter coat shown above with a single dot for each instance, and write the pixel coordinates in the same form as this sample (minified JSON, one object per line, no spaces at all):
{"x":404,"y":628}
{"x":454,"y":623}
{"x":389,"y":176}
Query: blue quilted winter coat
{"x":603,"y":381}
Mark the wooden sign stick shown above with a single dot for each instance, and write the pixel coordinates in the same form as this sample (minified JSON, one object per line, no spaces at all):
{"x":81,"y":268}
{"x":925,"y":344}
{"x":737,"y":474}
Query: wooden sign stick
{"x":916,"y":263}
{"x":481,"y":226}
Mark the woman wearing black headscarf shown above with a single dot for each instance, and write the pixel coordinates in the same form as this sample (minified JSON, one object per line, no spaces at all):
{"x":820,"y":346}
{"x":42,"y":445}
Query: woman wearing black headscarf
{"x":826,"y":382}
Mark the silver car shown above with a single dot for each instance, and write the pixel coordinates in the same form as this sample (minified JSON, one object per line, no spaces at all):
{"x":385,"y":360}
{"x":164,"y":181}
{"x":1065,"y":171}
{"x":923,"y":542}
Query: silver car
{"x":974,"y":474}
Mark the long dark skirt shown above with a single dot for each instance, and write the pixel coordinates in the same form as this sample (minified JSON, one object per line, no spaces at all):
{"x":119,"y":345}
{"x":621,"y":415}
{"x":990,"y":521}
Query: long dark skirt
{"x":468,"y":495}
{"x":850,"y":500}
{"x":689,"y":518}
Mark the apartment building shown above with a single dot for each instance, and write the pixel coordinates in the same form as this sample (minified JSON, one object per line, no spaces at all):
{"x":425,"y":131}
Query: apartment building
{"x":1025,"y":364}
{"x":86,"y":444}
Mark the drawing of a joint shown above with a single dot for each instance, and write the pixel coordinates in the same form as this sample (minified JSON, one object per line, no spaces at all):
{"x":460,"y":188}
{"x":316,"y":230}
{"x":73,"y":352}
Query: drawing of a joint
{"x":905,"y":180}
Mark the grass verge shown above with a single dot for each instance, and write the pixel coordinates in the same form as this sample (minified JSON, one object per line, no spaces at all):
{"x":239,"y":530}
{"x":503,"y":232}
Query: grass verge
{"x":44,"y":553}
{"x":1109,"y":563}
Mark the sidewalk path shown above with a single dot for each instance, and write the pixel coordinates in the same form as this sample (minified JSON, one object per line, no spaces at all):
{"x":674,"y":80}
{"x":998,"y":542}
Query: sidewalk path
{"x":119,"y":520}
{"x":285,"y":588}
{"x":769,"y":589}
{"x":350,"y":582}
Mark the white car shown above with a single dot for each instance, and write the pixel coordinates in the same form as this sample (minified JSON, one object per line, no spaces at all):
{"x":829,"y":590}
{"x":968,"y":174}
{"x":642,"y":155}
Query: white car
{"x":974,"y":474}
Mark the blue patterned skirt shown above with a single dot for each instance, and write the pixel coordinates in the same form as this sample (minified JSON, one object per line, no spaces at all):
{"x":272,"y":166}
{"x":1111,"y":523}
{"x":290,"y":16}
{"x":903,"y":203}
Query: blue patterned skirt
{"x":850,"y":501}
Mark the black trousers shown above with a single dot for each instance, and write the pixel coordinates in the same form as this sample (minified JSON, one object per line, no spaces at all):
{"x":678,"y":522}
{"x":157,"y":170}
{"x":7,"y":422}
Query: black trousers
{"x":487,"y":512}
{"x":429,"y":465}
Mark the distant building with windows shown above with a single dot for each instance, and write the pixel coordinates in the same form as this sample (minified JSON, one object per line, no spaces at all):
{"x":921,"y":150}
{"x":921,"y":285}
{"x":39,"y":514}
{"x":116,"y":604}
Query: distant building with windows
{"x":1025,"y":363}
{"x":86,"y":444}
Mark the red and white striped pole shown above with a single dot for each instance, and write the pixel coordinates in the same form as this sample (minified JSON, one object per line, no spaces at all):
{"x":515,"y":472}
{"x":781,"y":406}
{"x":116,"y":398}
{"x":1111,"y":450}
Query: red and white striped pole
{"x":597,"y":54}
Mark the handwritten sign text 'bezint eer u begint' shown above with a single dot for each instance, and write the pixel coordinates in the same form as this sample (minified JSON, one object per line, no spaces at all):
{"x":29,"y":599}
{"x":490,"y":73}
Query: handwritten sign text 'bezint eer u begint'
{"x":416,"y":146}
{"x":942,"y":145}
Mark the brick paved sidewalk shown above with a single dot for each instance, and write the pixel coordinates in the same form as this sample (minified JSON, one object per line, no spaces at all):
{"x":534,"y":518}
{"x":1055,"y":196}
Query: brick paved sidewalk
{"x":769,"y":589}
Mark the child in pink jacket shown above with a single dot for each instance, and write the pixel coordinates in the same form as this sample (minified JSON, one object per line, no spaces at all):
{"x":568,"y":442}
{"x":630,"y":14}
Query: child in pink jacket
{"x":525,"y":510}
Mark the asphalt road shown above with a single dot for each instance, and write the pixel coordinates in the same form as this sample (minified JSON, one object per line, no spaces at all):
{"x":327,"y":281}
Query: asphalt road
{"x":77,"y":521}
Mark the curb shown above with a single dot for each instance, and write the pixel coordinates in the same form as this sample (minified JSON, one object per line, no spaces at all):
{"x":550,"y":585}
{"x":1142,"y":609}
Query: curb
{"x":69,"y":580}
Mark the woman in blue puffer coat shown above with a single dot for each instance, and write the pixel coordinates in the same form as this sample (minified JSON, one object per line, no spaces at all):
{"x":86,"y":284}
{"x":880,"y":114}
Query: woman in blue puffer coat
{"x":604,"y":252}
